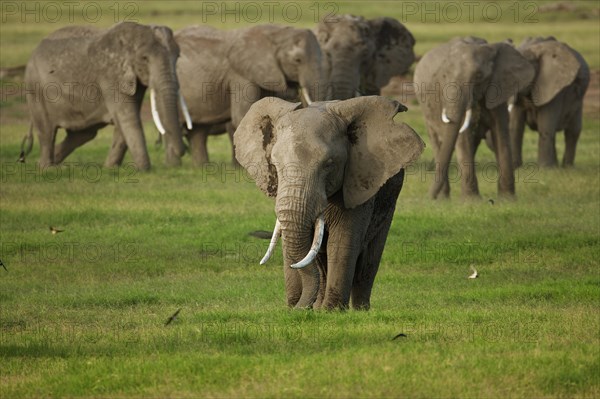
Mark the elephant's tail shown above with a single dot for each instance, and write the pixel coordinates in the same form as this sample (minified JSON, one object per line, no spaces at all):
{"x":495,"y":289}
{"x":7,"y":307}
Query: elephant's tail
{"x":26,"y":144}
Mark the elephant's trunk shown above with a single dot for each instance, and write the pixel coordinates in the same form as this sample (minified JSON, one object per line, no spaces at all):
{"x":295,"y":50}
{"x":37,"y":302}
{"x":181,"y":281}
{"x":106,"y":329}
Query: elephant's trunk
{"x":311,"y":83}
{"x":165,"y":90}
{"x":297,"y":215}
{"x":443,"y":159}
{"x":316,"y":244}
{"x":344,"y":79}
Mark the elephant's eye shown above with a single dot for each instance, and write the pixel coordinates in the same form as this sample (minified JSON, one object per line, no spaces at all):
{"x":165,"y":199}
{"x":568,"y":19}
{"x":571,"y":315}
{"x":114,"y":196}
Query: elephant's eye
{"x":297,"y":60}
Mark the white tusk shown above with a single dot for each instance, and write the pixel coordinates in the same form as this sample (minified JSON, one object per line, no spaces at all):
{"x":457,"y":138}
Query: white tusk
{"x":510,"y":107}
{"x":467,"y":121}
{"x":444,"y":116}
{"x":276,"y":234}
{"x":186,"y":113}
{"x":155,"y":116}
{"x":316,"y":245}
{"x":306,"y":96}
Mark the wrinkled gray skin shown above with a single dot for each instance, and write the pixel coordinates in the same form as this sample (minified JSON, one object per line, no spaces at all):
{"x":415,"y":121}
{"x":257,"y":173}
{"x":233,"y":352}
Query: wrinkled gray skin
{"x":343,"y":159}
{"x":555,"y":101}
{"x":222,"y":73}
{"x":469,"y":73}
{"x":103,"y":75}
{"x":361,"y":56}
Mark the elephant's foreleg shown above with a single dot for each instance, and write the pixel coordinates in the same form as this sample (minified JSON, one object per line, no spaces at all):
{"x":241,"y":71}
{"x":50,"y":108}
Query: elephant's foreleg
{"x":128,"y":121}
{"x":345,"y":242}
{"x":198,"y":138}
{"x":572,"y":132}
{"x":73,"y":140}
{"x":117,"y":149}
{"x":547,"y":120}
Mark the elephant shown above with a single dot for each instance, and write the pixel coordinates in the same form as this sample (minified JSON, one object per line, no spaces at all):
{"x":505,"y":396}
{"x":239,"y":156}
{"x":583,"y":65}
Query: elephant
{"x":335,"y":170}
{"x":361,"y":55}
{"x":222,"y":73}
{"x":554,"y":101}
{"x":463,"y":87}
{"x":82,"y":79}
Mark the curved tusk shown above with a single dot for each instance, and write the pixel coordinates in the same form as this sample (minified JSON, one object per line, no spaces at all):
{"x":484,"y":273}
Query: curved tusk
{"x":306,"y":96}
{"x":444,"y":116}
{"x":316,"y":245}
{"x":510,"y":107}
{"x":273,"y":243}
{"x":155,"y":115}
{"x":467,"y":121}
{"x":185,"y":111}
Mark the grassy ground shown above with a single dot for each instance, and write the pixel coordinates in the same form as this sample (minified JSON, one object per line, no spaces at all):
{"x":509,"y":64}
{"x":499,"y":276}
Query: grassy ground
{"x":82,"y":312}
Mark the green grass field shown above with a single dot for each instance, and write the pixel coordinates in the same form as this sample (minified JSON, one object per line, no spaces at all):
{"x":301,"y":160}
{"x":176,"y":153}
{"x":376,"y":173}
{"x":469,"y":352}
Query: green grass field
{"x":83,"y":312}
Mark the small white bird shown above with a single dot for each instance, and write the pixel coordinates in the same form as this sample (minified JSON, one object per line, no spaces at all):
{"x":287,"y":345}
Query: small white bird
{"x":475,"y":274}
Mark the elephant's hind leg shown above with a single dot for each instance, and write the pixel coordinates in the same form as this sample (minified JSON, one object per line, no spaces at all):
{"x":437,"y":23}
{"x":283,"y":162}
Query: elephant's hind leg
{"x":572,"y":132}
{"x":73,"y":140}
{"x":47,"y":138}
{"x":230,"y":131}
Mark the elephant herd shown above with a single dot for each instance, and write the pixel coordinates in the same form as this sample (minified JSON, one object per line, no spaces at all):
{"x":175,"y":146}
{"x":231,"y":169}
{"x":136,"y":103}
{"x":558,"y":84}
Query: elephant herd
{"x":310,"y":126}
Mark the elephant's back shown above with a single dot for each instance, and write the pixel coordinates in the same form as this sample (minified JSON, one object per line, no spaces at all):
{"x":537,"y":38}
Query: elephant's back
{"x":61,"y":57}
{"x":70,"y":32}
{"x":198,"y":34}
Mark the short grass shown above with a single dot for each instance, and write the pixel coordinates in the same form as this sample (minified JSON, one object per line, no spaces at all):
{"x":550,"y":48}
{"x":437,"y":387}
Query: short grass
{"x":82,"y":313}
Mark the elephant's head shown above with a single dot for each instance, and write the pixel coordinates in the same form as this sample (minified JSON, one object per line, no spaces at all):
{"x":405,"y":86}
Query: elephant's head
{"x":303,"y":157}
{"x":361,"y":56}
{"x":278,"y":58}
{"x":463,"y":74}
{"x":133,"y":57}
{"x":556,"y":66}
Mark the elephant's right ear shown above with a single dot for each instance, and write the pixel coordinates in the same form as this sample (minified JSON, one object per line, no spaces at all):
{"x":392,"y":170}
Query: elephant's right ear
{"x":253,"y":56}
{"x":558,"y":68}
{"x":118,"y":69}
{"x":254,"y":139}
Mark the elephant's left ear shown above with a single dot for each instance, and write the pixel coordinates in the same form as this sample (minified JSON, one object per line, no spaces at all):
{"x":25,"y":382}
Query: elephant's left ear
{"x":379,"y":147}
{"x":511,"y":74}
{"x":392,"y":53}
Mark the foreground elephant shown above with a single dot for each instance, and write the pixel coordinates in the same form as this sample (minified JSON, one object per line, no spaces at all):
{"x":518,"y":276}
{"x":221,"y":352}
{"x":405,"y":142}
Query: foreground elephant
{"x":335,"y":170}
{"x":361,"y":56}
{"x":85,"y":78}
{"x":222,"y":73}
{"x":463,"y":87}
{"x":555,"y":101}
